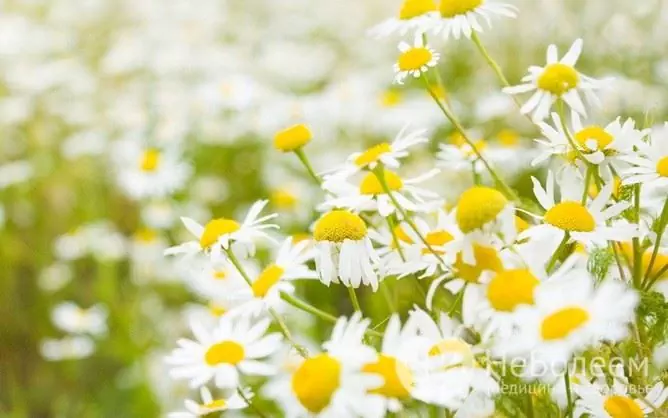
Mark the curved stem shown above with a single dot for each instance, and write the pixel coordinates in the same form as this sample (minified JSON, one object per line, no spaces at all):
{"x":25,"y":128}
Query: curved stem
{"x":663,"y":221}
{"x":353,"y":299}
{"x":557,"y":253}
{"x":251,"y":405}
{"x":307,"y":165}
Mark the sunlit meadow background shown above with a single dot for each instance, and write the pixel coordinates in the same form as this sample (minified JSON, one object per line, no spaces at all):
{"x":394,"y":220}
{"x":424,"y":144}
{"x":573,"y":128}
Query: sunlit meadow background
{"x":214,"y":80}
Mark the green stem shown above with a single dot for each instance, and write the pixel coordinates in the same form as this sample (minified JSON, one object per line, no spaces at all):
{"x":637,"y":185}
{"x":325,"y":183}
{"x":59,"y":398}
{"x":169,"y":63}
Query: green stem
{"x":301,"y":305}
{"x":588,"y":177}
{"x":286,"y":333}
{"x":302,"y":157}
{"x":637,"y":251}
{"x":557,"y":253}
{"x":663,"y":221}
{"x":453,"y":120}
{"x":496,"y":67}
{"x":353,"y":299}
{"x":569,"y":396}
{"x":251,"y":405}
{"x":530,"y":413}
{"x":233,"y":258}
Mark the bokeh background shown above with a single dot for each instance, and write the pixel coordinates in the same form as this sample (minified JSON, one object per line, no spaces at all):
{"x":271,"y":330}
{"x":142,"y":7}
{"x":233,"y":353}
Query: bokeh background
{"x":84,"y":84}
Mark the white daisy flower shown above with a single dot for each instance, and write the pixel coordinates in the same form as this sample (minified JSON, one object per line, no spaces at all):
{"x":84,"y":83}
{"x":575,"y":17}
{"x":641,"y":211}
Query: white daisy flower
{"x":596,"y":143}
{"x":209,"y":405}
{"x":370,"y":195}
{"x":454,"y":374}
{"x":650,"y":163}
{"x":217,"y":280}
{"x":557,"y":80}
{"x":67,"y":348}
{"x":265,"y":292}
{"x":414,"y":60}
{"x":234,"y":346}
{"x":344,"y":251}
{"x":462,"y":157}
{"x":585,"y":223}
{"x":332,"y":384}
{"x":461,"y":17}
{"x":224,"y":234}
{"x":149,"y":172}
{"x":414,"y":15}
{"x":69,"y":317}
{"x":568,"y":316}
{"x":384,"y":153}
{"x":602,"y":400}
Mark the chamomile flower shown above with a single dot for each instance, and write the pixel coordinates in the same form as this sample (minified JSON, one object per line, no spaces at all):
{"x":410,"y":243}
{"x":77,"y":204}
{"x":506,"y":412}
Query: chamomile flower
{"x":370,"y":194}
{"x":67,"y":348}
{"x":344,"y":251}
{"x":461,"y":17}
{"x":585,"y":223}
{"x":235,"y":346}
{"x":209,"y":405}
{"x":650,"y":163}
{"x":602,"y":400}
{"x":148,"y":172}
{"x":384,"y":153}
{"x":568,"y":316}
{"x":332,"y":384}
{"x":266,"y":289}
{"x":217,"y":280}
{"x":414,"y":15}
{"x":70,"y":318}
{"x":224,"y":234}
{"x":460,"y":157}
{"x":558,"y":80}
{"x":414,"y":60}
{"x":454,"y":373}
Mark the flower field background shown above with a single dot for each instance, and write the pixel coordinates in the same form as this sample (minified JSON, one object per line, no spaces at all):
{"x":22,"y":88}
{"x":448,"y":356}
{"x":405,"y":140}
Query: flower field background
{"x":118,"y":118}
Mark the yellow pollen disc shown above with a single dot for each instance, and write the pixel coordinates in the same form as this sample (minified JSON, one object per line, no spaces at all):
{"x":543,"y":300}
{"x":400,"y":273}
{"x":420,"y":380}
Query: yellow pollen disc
{"x":370,"y":184}
{"x":315,"y":382}
{"x":292,"y":138}
{"x":452,"y":8}
{"x":398,"y":379}
{"x":486,"y":258}
{"x":478,"y":206}
{"x":622,"y":407}
{"x":338,"y":226}
{"x":595,"y":133}
{"x":616,"y":188}
{"x":662,"y":167}
{"x":562,"y":323}
{"x":373,"y":154}
{"x":437,"y":239}
{"x":219,"y":275}
{"x":215,"y":404}
{"x":146,"y":235}
{"x":390,"y":98}
{"x":402,"y":235}
{"x":456,"y":138}
{"x":521,"y":224}
{"x":571,"y":216}
{"x":266,"y":280}
{"x":215,"y":229}
{"x":283,"y":199}
{"x":217,"y":310}
{"x":227,"y":352}
{"x":508,"y":138}
{"x":414,"y":59}
{"x":454,"y":346}
{"x":511,"y":288}
{"x":558,"y":79}
{"x":149,"y":160}
{"x":415,"y":8}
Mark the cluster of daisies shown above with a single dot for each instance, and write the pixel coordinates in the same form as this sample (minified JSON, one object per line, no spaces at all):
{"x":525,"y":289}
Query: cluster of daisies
{"x":547,"y":283}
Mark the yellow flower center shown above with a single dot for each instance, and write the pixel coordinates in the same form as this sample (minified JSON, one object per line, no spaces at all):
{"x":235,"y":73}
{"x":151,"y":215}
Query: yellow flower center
{"x":616,"y":188}
{"x":478,"y":146}
{"x":508,"y":138}
{"x":370,"y":184}
{"x":622,"y":407}
{"x":415,"y":8}
{"x":266,"y":280}
{"x":227,"y":352}
{"x":455,"y":346}
{"x":283,"y":199}
{"x":215,"y":229}
{"x":511,"y":288}
{"x":563,"y":322}
{"x":662,"y":167}
{"x":660,"y":262}
{"x":217,"y":310}
{"x":452,"y":8}
{"x":338,"y":226}
{"x":486,"y":258}
{"x":149,"y":160}
{"x":315,"y":382}
{"x":292,"y":138}
{"x":478,"y":206}
{"x":414,"y":59}
{"x":402,"y":235}
{"x":373,"y":154}
{"x":594,"y":133}
{"x":571,"y":216}
{"x":219,"y":275}
{"x":437,"y":239}
{"x":215,"y":404}
{"x":390,"y":98}
{"x":398,"y":379}
{"x":558,"y":79}
{"x":146,"y":235}
{"x":521,"y":224}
